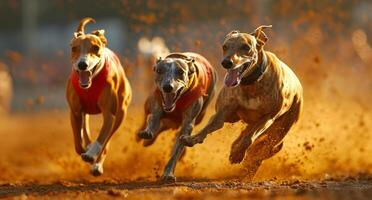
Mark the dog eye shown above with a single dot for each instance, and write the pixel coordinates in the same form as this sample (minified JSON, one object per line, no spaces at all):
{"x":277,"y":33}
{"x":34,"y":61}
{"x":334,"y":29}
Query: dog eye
{"x":246,"y":47}
{"x":95,"y":49}
{"x":224,"y":47}
{"x":159,"y":70}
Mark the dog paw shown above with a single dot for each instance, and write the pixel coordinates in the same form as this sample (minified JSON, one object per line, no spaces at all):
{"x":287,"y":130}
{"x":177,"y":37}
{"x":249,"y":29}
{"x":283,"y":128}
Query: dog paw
{"x":87,"y":158}
{"x":168,"y":179}
{"x":92,"y":151}
{"x":188,"y":140}
{"x":145,"y":134}
{"x":96,"y":170}
{"x":236,"y":155}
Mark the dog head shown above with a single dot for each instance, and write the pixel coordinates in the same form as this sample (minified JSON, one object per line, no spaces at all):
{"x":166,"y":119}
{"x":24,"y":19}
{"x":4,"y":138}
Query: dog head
{"x":240,"y":51}
{"x":172,"y":77}
{"x":86,"y":52}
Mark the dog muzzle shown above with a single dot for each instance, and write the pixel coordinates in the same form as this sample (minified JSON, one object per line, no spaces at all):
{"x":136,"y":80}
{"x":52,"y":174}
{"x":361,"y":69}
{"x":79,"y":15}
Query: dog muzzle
{"x":86,"y":76}
{"x":170,"y":99}
{"x":235,"y":75}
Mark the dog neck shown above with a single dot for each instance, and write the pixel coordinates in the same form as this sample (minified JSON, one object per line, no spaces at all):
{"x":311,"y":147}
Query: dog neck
{"x":259,"y":70}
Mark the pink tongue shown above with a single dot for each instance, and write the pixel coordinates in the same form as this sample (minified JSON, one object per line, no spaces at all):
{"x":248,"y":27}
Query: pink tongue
{"x":232,"y":77}
{"x":168,"y":100}
{"x":84,"y":77}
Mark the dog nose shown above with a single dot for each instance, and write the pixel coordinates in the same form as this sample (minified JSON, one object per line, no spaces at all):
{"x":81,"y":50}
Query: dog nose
{"x":227,"y":63}
{"x":167,"y":88}
{"x":82,"y":65}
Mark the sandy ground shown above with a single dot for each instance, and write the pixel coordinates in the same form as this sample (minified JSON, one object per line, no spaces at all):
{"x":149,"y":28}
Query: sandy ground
{"x":322,"y":157}
{"x":348,"y":188}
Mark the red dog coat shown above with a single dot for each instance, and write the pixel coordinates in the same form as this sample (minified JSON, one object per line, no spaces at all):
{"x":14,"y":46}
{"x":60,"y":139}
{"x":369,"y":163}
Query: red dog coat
{"x":204,"y":81}
{"x":89,"y":97}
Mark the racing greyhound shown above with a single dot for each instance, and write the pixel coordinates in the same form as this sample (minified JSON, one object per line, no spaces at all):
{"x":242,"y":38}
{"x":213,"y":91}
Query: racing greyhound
{"x":185,"y":84}
{"x":260,"y":90}
{"x":97,"y":84}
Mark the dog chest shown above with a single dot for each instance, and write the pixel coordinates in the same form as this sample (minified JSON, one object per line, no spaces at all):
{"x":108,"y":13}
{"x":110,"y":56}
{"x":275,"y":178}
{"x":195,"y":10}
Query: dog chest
{"x":89,"y":97}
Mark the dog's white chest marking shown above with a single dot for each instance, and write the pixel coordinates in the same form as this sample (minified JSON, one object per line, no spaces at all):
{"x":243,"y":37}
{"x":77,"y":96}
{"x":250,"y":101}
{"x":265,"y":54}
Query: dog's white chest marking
{"x":253,"y":103}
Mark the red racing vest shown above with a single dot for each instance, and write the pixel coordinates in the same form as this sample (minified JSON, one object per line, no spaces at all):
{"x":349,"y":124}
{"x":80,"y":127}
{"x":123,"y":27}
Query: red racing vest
{"x":89,"y":97}
{"x":203,"y":82}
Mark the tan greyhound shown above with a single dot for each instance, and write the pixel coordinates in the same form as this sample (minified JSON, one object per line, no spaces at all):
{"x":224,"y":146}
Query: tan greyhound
{"x":97,"y":84}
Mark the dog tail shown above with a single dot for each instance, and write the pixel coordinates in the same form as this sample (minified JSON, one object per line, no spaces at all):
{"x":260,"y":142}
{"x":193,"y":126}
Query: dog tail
{"x":82,"y":24}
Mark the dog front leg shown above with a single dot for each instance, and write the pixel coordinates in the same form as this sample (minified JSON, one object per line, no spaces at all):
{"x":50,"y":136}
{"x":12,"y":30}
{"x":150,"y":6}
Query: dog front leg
{"x":153,"y":123}
{"x":86,"y":131}
{"x":76,"y":123}
{"x":97,"y":167}
{"x":178,"y":148}
{"x":216,"y":122}
{"x":99,"y":145}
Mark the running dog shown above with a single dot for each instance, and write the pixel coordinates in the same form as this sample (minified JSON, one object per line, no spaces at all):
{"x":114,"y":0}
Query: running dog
{"x":259,"y":90}
{"x":185,"y":84}
{"x":97,"y":84}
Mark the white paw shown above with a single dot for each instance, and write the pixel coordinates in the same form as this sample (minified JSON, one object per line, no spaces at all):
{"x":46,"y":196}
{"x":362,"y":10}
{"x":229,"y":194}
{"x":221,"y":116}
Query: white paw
{"x":97,"y":169}
{"x":91,"y":154}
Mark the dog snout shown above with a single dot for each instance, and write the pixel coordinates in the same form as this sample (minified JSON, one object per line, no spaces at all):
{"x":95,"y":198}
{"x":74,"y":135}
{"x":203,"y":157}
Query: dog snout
{"x":82,"y":65}
{"x":227,"y":63}
{"x":168,"y":88}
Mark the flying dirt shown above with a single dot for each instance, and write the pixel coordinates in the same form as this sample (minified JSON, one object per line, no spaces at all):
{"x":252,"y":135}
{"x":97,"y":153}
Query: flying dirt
{"x":327,"y":153}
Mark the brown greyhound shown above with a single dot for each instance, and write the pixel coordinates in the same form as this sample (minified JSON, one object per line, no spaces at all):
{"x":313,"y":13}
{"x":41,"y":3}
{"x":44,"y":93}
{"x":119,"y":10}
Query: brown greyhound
{"x":185,"y":84}
{"x":97,"y":84}
{"x":259,"y":90}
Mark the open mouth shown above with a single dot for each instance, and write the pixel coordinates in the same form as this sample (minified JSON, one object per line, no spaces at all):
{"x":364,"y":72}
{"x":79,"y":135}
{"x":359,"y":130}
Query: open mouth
{"x":85,"y":77}
{"x":170,"y":99}
{"x":235,"y":75}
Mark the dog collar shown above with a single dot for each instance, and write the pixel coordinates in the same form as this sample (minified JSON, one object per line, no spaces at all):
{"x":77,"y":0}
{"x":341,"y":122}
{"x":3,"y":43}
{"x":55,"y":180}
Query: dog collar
{"x":256,"y":73}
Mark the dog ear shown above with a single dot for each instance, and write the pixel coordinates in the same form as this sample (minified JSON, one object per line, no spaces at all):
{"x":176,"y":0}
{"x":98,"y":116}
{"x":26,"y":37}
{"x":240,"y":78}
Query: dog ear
{"x":101,"y":35}
{"x":158,"y":60}
{"x":232,"y":33}
{"x":77,"y":34}
{"x":191,"y":63}
{"x":260,"y":36}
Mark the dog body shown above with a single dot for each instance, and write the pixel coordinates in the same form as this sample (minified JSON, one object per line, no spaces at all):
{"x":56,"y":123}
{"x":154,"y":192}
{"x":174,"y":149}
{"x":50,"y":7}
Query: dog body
{"x":259,"y":90}
{"x":97,"y":84}
{"x":185,"y":84}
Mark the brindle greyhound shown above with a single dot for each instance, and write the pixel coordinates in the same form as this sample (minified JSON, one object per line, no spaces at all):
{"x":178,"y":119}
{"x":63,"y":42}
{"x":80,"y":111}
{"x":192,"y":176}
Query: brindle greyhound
{"x":185,"y":85}
{"x":259,"y":90}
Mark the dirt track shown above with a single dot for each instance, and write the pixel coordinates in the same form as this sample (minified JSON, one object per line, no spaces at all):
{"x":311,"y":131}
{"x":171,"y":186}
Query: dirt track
{"x":38,"y":160}
{"x":338,"y":189}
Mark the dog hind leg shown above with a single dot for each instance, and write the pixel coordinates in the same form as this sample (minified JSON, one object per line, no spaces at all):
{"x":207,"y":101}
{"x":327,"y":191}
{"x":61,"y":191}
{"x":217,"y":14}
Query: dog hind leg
{"x":76,"y":123}
{"x":271,"y":141}
{"x":241,"y":144}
